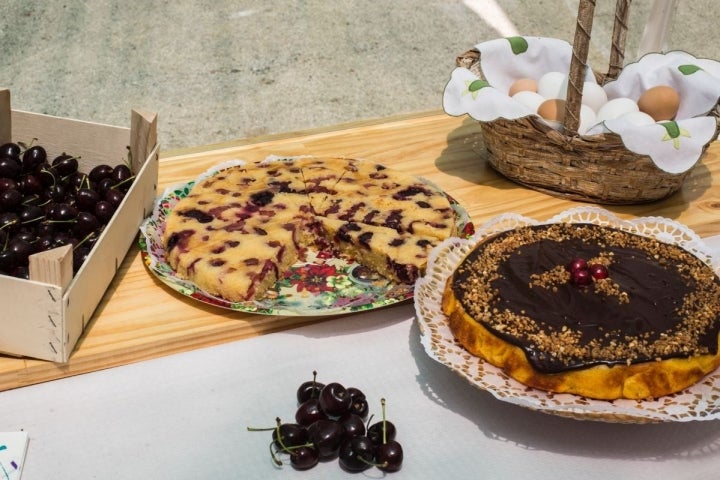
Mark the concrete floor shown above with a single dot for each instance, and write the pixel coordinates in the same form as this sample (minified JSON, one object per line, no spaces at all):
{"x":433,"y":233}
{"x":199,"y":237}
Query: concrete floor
{"x":218,"y":70}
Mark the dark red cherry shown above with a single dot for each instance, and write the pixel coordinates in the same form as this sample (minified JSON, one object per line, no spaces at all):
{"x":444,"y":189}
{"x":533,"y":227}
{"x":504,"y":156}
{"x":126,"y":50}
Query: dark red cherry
{"x":7,"y":184}
{"x":65,"y":164}
{"x":64,"y":238}
{"x":581,"y":278}
{"x":10,"y":149}
{"x":291,"y":435}
{"x":353,"y":425}
{"x":86,"y":199}
{"x":80,"y":254}
{"x":10,"y":199}
{"x":44,"y":242}
{"x":9,"y":222}
{"x":33,"y":158}
{"x":56,"y":193}
{"x":326,"y":435}
{"x":78,"y":180}
{"x":48,"y":175}
{"x":389,"y":456}
{"x":577,"y":264}
{"x":8,"y":261}
{"x":9,"y":167}
{"x":104,"y":211}
{"x":114,"y":197}
{"x":100,"y":172}
{"x":62,"y":212}
{"x":309,"y":389}
{"x":304,"y":458}
{"x":121,"y":176}
{"x":375,"y":432}
{"x":85,"y":224}
{"x":104,"y":185}
{"x":334,"y":399}
{"x":598,"y":271}
{"x":31,"y":215}
{"x":356,"y":454}
{"x":22,"y":249}
{"x":30,"y":184}
{"x":309,"y":412}
{"x":358,"y":402}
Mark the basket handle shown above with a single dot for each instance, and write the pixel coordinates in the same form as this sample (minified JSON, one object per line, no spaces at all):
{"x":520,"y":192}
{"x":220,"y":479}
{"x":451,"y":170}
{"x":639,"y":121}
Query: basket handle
{"x":578,"y":62}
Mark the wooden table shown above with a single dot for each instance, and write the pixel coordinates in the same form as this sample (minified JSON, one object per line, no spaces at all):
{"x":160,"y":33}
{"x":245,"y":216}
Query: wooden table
{"x":140,"y":318}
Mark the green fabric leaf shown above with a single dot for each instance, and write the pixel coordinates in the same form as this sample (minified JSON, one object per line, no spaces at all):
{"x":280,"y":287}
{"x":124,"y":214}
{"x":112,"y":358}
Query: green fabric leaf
{"x":518,"y":45}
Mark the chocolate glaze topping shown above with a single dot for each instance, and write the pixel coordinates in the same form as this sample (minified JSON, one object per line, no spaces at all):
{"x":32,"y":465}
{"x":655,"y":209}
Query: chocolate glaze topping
{"x":658,"y":301}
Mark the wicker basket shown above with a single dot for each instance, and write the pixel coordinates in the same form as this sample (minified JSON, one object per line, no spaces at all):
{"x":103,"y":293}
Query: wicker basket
{"x":596,"y":168}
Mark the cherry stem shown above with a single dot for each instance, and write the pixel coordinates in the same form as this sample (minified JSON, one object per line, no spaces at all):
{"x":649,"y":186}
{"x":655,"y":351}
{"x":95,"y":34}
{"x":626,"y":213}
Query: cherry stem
{"x":11,"y":222}
{"x":312,"y":394}
{"x":28,"y":201}
{"x":384,"y":429}
{"x":274,"y":457}
{"x":87,"y":237}
{"x":32,"y":220}
{"x":49,"y":172}
{"x":372,"y":464}
{"x":129,"y":179}
{"x":71,"y":220}
{"x":26,"y":146}
{"x":278,"y":435}
{"x":128,"y":161}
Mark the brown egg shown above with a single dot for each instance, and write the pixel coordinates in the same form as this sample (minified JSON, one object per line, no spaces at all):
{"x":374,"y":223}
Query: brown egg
{"x":552,"y":109}
{"x":660,"y":102}
{"x":523,"y":85}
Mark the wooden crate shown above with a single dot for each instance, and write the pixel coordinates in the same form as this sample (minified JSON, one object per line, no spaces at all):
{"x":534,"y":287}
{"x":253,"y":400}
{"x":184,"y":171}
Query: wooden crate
{"x":45,"y":316}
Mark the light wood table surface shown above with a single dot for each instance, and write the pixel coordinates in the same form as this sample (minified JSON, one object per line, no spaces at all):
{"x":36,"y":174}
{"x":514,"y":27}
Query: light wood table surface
{"x":140,"y":318}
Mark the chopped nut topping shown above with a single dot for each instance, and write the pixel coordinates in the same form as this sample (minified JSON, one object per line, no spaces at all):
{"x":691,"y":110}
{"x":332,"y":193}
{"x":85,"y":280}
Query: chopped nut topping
{"x":697,"y":312}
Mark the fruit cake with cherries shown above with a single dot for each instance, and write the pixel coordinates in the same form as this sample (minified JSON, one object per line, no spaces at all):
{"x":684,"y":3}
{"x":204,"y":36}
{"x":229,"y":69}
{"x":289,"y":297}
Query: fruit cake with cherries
{"x":237,"y":231}
{"x":587,"y":309}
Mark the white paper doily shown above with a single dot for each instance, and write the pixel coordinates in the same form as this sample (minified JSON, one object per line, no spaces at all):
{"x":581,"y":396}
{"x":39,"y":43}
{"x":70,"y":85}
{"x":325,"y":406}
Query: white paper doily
{"x":699,"y":402}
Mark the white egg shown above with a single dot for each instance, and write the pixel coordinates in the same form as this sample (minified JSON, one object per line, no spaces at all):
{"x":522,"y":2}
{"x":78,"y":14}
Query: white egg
{"x":638,"y":118}
{"x":587,"y":119}
{"x":553,"y":85}
{"x":594,"y":96}
{"x":615,"y":108}
{"x":531,"y":100}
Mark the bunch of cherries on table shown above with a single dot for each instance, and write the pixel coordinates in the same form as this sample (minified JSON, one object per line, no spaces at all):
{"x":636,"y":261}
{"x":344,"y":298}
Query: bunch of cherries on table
{"x":46,"y":203}
{"x":330,"y":424}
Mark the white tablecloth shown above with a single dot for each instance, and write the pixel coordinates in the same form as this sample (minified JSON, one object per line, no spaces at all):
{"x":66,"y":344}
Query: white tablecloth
{"x":185,"y":416}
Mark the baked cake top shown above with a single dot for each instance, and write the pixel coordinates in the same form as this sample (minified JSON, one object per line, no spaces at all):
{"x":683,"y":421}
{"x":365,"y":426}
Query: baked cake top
{"x":208,"y":236}
{"x":654,"y":301}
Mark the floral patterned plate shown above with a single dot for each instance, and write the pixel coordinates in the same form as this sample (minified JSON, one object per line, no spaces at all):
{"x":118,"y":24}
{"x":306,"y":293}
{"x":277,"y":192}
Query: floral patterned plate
{"x":322,"y":284}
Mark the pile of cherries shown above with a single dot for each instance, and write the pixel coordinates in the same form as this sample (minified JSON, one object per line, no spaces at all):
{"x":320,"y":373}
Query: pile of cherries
{"x":330,"y":424}
{"x":47,"y":203}
{"x":583,"y":274}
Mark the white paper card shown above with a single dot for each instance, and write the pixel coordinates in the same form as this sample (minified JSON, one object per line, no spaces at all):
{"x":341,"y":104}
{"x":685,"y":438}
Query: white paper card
{"x":13,"y":446}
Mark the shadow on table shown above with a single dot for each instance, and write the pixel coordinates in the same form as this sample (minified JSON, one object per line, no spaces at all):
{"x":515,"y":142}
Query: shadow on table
{"x":533,"y":430}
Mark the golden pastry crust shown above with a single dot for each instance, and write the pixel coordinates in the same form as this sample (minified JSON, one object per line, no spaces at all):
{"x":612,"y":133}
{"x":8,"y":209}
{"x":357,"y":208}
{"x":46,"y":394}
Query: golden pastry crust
{"x":636,"y":381}
{"x":595,"y":376}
